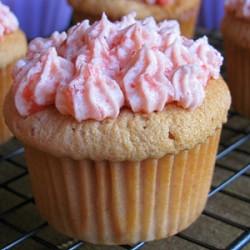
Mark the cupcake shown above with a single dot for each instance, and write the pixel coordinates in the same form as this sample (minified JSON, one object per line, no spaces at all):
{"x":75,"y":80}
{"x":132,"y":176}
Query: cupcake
{"x":44,"y":16}
{"x":12,"y":47}
{"x":236,"y":34}
{"x":121,"y":123}
{"x":185,"y":12}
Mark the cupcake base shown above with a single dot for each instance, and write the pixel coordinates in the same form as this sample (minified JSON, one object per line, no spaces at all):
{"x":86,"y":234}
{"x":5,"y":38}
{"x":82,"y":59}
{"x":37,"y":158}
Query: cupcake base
{"x":123,"y":202}
{"x":5,"y":83}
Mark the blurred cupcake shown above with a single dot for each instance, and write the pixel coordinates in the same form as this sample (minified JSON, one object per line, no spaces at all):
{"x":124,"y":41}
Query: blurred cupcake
{"x":121,"y":123}
{"x":12,"y":47}
{"x":185,"y":12}
{"x":236,"y":33}
{"x":211,"y":14}
{"x":41,"y":17}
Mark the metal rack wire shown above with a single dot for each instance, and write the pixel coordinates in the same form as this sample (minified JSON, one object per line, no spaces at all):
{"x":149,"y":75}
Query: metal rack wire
{"x":239,"y":136}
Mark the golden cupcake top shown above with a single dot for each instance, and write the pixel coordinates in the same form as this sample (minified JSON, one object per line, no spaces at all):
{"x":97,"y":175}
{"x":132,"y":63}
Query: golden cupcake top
{"x":239,"y":8}
{"x":127,"y":90}
{"x":130,"y":136}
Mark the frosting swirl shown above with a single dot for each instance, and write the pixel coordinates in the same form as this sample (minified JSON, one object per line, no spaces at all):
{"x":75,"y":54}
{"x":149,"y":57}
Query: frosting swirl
{"x":93,"y":71}
{"x":241,"y":8}
{"x":90,"y":95}
{"x":8,"y":21}
{"x":187,"y":95}
{"x":145,"y":83}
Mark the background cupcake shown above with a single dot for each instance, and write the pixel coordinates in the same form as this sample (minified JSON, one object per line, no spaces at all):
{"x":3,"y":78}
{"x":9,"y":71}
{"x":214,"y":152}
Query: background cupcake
{"x":41,"y":17}
{"x":236,"y":34}
{"x":12,"y":47}
{"x":121,"y":124}
{"x":184,"y":11}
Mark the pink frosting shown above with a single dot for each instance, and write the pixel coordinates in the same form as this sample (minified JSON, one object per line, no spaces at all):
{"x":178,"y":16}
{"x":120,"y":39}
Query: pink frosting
{"x":145,"y":82}
{"x":189,"y":96}
{"x":160,"y":2}
{"x":93,"y":71}
{"x":8,"y":22}
{"x":91,"y":94}
{"x":240,"y":7}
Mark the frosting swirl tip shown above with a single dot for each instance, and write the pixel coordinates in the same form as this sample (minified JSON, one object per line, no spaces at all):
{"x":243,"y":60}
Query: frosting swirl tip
{"x":8,"y":21}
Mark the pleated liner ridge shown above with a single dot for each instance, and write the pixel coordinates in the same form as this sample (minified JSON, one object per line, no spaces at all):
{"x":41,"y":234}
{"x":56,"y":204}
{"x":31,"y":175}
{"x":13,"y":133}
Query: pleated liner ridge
{"x":123,"y":202}
{"x":5,"y":83}
{"x":238,"y":74}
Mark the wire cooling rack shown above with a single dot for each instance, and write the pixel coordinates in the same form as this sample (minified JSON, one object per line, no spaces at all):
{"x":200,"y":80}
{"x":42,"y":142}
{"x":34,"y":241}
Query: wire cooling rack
{"x":225,"y":223}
